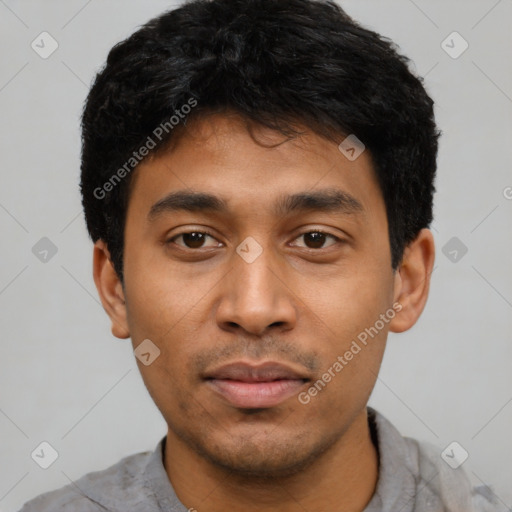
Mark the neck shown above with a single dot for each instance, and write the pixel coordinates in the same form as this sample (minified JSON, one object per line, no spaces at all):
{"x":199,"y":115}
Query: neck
{"x":343,"y":478}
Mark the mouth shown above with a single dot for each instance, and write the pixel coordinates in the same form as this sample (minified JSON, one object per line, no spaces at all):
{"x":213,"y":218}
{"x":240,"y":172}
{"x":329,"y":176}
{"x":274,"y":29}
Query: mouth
{"x":249,"y":386}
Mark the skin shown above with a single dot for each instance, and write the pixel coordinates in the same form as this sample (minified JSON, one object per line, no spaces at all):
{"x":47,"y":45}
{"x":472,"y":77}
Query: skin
{"x":300,"y":303}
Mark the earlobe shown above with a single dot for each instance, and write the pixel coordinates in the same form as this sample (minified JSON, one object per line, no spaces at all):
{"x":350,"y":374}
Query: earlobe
{"x":412,"y":281}
{"x":110,"y":290}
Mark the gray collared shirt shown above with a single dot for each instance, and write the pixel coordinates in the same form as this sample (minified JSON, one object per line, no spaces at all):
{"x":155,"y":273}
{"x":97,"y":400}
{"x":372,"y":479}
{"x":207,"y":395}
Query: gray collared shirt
{"x":412,"y":478}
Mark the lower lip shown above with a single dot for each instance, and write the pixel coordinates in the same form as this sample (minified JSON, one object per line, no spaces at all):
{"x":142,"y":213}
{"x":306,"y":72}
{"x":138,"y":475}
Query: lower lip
{"x":254,"y":395}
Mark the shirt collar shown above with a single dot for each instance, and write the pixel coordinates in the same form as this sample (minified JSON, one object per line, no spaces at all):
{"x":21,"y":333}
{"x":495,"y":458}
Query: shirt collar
{"x":396,"y":485}
{"x":156,"y":479}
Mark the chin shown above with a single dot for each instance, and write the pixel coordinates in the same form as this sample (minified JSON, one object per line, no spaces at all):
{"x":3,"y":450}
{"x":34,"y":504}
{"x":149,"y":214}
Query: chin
{"x":267,"y":459}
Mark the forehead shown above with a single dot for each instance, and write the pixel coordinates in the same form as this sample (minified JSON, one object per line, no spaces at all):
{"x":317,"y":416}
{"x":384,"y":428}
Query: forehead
{"x":220,"y":165}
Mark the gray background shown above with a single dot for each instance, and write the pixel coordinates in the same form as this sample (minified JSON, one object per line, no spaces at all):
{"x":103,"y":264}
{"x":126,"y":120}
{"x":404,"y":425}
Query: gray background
{"x":64,"y":379}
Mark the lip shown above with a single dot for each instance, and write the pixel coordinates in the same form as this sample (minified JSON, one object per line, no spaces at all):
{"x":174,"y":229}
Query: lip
{"x":250,"y":386}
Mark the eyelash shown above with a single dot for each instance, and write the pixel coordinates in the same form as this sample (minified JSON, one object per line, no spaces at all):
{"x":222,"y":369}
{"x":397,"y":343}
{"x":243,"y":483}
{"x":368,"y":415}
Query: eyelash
{"x":174,"y":237}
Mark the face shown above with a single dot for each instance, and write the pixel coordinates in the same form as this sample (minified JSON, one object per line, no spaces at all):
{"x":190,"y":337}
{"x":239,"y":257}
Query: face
{"x":287,"y":261}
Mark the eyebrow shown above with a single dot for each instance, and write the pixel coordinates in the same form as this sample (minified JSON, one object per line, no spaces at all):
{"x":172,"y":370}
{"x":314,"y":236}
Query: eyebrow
{"x":330,"y":200}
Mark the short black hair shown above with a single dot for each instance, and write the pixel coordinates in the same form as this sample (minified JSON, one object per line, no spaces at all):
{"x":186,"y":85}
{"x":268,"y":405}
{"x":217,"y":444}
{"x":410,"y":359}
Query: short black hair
{"x":275,"y":63}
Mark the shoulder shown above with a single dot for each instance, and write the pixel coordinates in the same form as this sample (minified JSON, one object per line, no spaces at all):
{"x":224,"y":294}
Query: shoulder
{"x":450,"y":485}
{"x":98,"y":490}
{"x":416,"y":472}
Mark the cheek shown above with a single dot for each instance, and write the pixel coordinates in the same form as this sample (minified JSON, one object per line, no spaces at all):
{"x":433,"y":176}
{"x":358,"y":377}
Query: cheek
{"x":347,"y":377}
{"x":350,"y":335}
{"x":156,"y":301}
{"x":165,"y":384}
{"x":347,"y":301}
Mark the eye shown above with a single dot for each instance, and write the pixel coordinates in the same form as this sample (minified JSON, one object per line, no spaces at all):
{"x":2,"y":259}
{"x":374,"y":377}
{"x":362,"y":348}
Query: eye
{"x":316,"y":239}
{"x":193,"y":239}
{"x":197,"y":239}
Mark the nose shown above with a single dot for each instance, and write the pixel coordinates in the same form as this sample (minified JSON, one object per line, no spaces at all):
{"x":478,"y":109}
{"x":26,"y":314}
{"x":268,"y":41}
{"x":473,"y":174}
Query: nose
{"x":256,"y":297}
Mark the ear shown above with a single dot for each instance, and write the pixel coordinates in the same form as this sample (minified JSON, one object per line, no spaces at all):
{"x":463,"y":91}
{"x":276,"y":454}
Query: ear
{"x":412,"y":281}
{"x":110,"y":290}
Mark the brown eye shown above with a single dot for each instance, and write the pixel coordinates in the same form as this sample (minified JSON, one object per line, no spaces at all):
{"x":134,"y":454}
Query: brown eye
{"x":192,"y":239}
{"x":316,"y":239}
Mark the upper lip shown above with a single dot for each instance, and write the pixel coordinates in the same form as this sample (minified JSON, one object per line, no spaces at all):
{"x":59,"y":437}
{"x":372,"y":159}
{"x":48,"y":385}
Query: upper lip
{"x":263,"y":372}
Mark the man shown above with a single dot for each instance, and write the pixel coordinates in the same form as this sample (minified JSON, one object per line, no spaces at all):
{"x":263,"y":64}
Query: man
{"x":258,"y":179}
